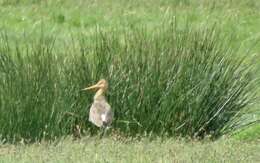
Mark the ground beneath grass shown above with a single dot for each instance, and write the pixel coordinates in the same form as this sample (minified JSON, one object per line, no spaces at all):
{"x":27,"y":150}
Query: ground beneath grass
{"x":110,"y":150}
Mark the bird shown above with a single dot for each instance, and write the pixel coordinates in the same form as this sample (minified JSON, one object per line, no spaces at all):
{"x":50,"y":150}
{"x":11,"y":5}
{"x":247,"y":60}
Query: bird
{"x":100,"y":113}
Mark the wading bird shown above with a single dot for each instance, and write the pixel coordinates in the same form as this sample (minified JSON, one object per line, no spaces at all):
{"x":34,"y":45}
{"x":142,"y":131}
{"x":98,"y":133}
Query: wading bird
{"x":100,"y":113}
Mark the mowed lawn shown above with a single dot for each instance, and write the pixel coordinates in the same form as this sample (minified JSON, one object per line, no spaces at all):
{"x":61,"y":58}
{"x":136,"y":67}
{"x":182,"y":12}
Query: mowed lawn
{"x":112,"y":150}
{"x":65,"y":18}
{"x":68,"y":18}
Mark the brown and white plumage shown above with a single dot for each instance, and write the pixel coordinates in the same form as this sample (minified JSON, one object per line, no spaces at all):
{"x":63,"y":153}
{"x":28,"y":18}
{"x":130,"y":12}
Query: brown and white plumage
{"x":100,"y":113}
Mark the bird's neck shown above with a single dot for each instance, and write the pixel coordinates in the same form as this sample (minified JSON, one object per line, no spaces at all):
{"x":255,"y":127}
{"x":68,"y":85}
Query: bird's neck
{"x":100,"y":95}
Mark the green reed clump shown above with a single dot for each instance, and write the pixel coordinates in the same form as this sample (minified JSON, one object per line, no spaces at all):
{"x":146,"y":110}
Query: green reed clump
{"x":175,"y":81}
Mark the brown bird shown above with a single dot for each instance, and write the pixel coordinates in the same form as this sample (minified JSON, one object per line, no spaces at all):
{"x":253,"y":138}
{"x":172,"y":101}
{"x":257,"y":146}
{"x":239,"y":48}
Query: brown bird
{"x":100,"y":113}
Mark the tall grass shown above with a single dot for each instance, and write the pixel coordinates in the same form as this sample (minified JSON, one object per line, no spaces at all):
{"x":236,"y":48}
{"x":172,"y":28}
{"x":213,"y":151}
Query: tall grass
{"x":177,"y":81}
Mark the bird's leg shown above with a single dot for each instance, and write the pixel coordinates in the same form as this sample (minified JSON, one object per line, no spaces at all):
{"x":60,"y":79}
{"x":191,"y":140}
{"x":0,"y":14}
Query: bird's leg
{"x":102,"y":132}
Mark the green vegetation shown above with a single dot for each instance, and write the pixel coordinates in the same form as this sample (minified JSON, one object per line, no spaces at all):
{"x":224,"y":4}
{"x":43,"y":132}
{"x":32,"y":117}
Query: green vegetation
{"x":193,"y":74}
{"x":251,"y":133}
{"x":109,"y":150}
{"x":175,"y":81}
{"x":180,"y":68}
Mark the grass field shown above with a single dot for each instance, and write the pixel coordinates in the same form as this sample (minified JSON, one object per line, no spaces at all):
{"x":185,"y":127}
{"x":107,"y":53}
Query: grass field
{"x":109,"y":150}
{"x":52,"y":49}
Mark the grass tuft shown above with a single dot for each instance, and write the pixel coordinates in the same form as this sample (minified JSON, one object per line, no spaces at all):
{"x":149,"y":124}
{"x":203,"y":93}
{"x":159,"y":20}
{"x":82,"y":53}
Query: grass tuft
{"x":176,"y":81}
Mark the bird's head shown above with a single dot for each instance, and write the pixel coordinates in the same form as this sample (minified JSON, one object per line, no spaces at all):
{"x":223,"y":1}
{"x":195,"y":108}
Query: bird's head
{"x":102,"y":84}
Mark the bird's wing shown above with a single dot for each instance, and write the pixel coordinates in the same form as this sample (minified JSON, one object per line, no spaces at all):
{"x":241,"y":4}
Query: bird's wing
{"x":100,"y":113}
{"x":94,"y":114}
{"x":109,"y":115}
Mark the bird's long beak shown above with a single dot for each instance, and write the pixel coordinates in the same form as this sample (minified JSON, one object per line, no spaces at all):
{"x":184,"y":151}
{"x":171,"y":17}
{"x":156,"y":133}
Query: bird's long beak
{"x":96,"y":86}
